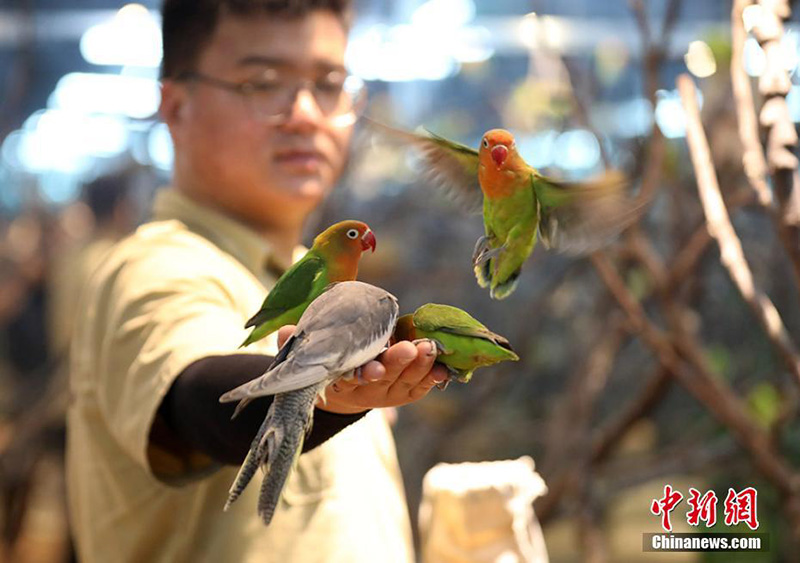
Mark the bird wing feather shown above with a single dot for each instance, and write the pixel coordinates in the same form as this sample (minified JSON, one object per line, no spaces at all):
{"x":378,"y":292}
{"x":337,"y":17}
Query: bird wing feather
{"x":292,"y":289}
{"x":445,"y":164}
{"x":580,"y":217}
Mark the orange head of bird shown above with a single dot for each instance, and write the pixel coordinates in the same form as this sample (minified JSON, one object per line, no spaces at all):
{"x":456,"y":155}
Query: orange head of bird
{"x":496,"y":146}
{"x":346,"y":237}
{"x":404,"y":329}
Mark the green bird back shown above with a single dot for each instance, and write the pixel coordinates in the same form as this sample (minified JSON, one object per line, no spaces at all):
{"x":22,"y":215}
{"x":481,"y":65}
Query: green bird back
{"x":294,"y":291}
{"x":464,"y":343}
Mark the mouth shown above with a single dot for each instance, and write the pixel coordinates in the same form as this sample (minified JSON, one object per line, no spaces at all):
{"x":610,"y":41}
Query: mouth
{"x":499,"y":154}
{"x":300,"y":160}
{"x":368,"y":241}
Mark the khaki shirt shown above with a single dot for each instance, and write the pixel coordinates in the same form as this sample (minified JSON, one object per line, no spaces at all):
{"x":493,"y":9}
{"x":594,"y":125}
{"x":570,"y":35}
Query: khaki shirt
{"x":180,"y":288}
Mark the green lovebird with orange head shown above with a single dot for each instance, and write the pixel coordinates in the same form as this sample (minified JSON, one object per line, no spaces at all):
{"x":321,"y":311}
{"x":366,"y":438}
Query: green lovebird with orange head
{"x":519,"y":203}
{"x":462,"y":342}
{"x":332,"y":258}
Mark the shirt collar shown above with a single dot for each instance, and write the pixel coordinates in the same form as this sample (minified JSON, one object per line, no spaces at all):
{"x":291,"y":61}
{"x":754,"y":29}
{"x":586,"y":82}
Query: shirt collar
{"x":237,"y":239}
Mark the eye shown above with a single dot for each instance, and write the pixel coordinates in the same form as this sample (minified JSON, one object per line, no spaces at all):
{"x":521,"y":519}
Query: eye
{"x":331,"y":83}
{"x":352,"y":233}
{"x":485,"y":143}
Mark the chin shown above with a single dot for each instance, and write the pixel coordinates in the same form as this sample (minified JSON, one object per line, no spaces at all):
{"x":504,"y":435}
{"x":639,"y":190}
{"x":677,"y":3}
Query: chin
{"x":307,"y":189}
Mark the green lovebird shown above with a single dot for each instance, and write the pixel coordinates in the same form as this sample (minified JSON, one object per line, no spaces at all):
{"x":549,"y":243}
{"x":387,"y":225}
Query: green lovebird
{"x":332,"y":258}
{"x":344,"y":328}
{"x":462,"y":342}
{"x":518,"y":203}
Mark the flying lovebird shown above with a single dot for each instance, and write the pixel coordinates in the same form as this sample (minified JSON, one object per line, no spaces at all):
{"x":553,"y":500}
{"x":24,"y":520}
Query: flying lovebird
{"x":348,"y":325}
{"x":332,"y":258}
{"x":519,"y":203}
{"x":462,"y":342}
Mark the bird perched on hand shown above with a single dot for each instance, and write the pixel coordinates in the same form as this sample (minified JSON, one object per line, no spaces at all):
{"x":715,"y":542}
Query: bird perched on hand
{"x":348,"y":325}
{"x":332,"y":258}
{"x":463,"y":343}
{"x":518,"y":202}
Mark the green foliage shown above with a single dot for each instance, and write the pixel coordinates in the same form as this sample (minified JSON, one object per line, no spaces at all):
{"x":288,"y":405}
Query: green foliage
{"x":764,"y":403}
{"x":719,"y":358}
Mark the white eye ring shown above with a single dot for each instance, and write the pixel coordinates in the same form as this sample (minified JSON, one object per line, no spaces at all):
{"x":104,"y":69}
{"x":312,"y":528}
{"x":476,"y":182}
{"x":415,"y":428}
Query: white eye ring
{"x":352,"y":233}
{"x":486,"y":143}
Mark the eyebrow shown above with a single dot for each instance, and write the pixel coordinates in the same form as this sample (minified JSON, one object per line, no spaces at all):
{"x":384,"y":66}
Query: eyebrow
{"x":277,"y":62}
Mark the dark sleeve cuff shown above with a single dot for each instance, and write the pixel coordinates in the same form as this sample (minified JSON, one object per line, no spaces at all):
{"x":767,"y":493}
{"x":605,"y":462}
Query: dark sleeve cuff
{"x":191,"y":410}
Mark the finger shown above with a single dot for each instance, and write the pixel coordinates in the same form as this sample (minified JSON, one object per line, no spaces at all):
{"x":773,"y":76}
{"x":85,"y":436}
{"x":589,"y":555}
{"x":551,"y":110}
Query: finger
{"x":373,"y":371}
{"x":397,"y":358}
{"x":437,"y":375}
{"x":413,"y":374}
{"x":284,"y":333}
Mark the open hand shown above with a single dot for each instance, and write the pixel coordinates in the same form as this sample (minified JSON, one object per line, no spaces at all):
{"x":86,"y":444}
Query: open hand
{"x":402,"y":374}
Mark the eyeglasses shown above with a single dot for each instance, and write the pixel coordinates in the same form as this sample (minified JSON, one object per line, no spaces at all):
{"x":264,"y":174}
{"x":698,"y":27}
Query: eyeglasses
{"x":340,"y":96}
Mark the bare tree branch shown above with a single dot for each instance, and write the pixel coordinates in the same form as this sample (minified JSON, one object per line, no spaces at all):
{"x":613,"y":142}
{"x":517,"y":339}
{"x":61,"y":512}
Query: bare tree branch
{"x":610,"y":435}
{"x":720,"y":227}
{"x":755,"y":164}
{"x":774,"y":114}
{"x":703,"y":384}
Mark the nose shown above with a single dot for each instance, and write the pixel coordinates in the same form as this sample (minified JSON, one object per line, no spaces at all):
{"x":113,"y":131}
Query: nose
{"x":304,"y":113}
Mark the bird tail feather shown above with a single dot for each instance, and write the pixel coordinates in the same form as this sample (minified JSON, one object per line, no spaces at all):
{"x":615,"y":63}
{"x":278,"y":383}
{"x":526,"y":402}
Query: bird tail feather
{"x":255,"y":458}
{"x":505,"y":288}
{"x":483,"y":273}
{"x":283,"y":448}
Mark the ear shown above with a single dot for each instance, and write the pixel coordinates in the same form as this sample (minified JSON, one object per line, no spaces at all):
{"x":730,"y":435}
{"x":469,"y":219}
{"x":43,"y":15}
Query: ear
{"x":173,"y":105}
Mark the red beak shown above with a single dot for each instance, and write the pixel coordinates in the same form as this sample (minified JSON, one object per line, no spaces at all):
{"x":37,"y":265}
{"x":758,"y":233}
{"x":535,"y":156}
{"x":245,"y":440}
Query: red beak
{"x":368,"y":241}
{"x":499,"y":154}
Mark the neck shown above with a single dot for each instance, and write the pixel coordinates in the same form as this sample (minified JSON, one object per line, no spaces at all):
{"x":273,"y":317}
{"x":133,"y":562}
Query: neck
{"x":344,"y":266}
{"x":283,"y":231}
{"x":282,"y":242}
{"x":500,"y":182}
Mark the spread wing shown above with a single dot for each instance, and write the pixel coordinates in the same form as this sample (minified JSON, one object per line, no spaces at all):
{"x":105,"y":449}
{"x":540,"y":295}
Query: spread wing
{"x":580,"y":217}
{"x":445,"y":164}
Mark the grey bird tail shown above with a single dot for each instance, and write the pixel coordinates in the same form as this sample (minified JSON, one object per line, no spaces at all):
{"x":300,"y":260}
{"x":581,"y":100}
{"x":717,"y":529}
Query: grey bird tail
{"x":255,"y":458}
{"x":291,"y":420}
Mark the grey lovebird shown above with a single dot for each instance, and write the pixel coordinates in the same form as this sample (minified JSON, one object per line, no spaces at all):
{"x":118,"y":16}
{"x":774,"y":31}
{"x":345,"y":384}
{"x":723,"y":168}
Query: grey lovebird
{"x":341,"y":330}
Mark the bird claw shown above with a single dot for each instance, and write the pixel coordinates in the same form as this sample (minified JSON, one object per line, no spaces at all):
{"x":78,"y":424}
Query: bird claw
{"x":481,"y":246}
{"x":435,"y":346}
{"x":486,"y":255}
{"x":452,"y":375}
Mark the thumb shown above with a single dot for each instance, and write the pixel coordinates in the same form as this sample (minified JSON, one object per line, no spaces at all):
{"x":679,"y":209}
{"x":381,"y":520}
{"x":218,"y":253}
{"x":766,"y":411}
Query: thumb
{"x":284,"y":333}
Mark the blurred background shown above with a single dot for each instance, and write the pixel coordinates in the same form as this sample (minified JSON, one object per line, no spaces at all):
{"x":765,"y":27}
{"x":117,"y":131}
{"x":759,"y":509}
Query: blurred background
{"x":680,"y":385}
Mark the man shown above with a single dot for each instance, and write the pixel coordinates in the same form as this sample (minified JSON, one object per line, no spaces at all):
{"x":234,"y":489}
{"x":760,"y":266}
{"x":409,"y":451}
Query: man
{"x":253,"y":96}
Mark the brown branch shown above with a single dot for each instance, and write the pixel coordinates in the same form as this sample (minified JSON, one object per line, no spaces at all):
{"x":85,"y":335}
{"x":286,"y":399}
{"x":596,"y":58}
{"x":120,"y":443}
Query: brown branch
{"x":703,"y":384}
{"x":607,"y":438}
{"x":755,"y":164}
{"x":681,"y":459}
{"x":592,"y":539}
{"x":652,"y":60}
{"x":620,"y":475}
{"x":566,"y":461}
{"x":787,"y":219}
{"x":720,"y":227}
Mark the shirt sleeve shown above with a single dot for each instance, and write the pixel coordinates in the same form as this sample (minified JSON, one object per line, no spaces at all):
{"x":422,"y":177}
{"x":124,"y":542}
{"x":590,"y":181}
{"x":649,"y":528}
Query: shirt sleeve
{"x":160,"y":315}
{"x":193,"y":413}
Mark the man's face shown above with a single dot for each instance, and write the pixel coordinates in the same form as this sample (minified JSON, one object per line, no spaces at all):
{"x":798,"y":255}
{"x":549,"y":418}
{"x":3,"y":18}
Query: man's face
{"x":270,"y":174}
